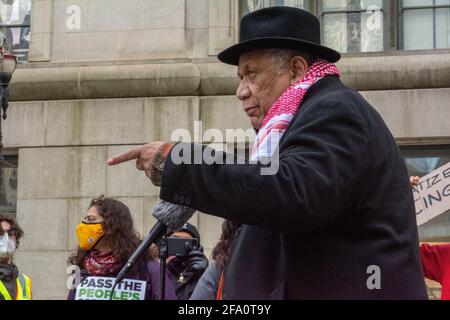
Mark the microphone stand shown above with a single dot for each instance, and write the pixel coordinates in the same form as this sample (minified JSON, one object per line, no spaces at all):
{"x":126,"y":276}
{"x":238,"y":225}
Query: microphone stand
{"x":159,"y":230}
{"x":163,"y":254}
{"x":168,"y":215}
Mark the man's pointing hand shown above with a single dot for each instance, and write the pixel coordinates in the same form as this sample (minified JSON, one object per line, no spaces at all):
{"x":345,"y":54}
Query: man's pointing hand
{"x":144,"y":156}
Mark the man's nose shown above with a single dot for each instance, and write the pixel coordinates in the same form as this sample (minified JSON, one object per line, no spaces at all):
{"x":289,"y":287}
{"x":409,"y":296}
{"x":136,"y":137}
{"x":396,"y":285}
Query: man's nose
{"x":243,"y":91}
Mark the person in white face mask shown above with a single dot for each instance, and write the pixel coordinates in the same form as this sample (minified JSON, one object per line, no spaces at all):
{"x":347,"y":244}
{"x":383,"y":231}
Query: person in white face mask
{"x":14,"y":285}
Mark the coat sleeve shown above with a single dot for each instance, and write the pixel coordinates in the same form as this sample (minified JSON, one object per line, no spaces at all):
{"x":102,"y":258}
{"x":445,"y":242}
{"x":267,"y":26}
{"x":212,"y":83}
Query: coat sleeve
{"x":71,"y":294}
{"x":154,"y":281}
{"x":208,"y":284}
{"x":318,"y":165}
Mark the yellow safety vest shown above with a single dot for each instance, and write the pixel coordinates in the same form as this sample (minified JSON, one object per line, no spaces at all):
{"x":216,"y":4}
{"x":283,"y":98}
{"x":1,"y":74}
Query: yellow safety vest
{"x":23,"y":288}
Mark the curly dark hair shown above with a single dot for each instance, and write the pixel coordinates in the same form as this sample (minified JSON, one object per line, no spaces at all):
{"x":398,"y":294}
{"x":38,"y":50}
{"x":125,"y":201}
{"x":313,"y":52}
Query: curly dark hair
{"x":15,"y":229}
{"x":118,"y":227}
{"x":221,"y":252}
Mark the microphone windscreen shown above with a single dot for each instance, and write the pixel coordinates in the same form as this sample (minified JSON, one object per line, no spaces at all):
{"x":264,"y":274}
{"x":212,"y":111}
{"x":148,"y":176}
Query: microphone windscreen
{"x":172,"y":215}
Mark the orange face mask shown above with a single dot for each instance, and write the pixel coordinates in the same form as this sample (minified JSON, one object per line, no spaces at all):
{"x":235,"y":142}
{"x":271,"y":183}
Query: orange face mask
{"x":88,"y":234}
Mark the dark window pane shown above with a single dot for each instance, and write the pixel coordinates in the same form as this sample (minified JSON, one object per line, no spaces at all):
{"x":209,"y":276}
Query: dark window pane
{"x":8,"y":185}
{"x":18,"y":40}
{"x":423,"y":160}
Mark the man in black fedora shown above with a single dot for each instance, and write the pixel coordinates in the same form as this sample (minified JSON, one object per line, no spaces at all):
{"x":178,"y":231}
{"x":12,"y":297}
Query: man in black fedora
{"x":335,"y":218}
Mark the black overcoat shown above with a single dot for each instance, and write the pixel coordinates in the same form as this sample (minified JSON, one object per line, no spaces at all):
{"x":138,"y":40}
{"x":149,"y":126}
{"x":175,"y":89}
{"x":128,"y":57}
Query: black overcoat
{"x":337,"y":221}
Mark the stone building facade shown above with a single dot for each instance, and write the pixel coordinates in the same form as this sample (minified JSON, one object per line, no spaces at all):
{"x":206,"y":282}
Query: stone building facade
{"x":102,"y":76}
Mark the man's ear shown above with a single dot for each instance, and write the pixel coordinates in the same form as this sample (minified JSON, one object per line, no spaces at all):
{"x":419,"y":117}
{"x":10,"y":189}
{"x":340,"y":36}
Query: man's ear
{"x":299,"y":67}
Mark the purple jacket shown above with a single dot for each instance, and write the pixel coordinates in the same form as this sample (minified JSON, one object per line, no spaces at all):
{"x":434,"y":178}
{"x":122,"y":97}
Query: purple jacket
{"x":149,"y":272}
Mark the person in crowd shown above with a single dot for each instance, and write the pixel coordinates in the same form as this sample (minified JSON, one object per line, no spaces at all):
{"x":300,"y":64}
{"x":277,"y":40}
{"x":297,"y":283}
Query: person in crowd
{"x":324,"y":202}
{"x":435,"y":259}
{"x":185,"y":268}
{"x":210,"y":284}
{"x":14,"y":285}
{"x":107,"y":239}
{"x":436,"y":265}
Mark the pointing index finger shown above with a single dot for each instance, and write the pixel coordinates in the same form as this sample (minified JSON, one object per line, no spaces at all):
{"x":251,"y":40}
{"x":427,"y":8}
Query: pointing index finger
{"x":124,"y":157}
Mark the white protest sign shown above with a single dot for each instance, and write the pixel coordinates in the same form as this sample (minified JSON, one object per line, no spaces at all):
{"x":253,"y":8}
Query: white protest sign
{"x":432,"y":195}
{"x":99,"y":288}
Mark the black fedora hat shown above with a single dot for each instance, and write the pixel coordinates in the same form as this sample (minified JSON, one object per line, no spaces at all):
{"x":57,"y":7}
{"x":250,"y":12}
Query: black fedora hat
{"x":279,"y":27}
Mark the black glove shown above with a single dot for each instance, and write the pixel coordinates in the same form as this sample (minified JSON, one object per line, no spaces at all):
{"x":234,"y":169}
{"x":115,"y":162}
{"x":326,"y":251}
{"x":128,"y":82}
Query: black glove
{"x":192,"y":265}
{"x":195,"y":263}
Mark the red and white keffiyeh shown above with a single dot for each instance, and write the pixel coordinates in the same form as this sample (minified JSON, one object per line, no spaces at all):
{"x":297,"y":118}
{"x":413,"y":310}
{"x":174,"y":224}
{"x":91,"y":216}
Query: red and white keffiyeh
{"x":283,"y":110}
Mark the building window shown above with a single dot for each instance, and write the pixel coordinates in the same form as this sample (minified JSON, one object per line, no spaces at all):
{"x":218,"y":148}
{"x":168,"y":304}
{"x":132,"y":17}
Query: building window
{"x":420,"y":161}
{"x":353,"y":26}
{"x":15,"y":26}
{"x":425,"y":24}
{"x":252,"y":5}
{"x":8,"y":185}
{"x":347,"y":25}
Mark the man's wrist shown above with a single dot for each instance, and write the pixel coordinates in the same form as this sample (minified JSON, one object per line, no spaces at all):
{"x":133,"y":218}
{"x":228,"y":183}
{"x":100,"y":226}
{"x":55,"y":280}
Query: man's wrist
{"x":158,"y":163}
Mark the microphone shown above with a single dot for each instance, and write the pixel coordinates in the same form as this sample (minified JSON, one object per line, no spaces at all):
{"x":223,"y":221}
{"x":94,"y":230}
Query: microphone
{"x":169,"y":215}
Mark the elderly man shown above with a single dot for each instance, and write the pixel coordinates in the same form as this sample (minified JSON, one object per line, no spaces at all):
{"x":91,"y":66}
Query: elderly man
{"x":336,"y":220}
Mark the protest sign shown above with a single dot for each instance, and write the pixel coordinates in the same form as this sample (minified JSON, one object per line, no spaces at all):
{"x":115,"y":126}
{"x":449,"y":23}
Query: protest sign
{"x":432,"y":195}
{"x":99,"y":288}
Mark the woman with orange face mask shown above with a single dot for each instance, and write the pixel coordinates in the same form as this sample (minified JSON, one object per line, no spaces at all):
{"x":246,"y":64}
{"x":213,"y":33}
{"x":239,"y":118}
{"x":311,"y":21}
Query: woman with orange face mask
{"x":107,"y":239}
